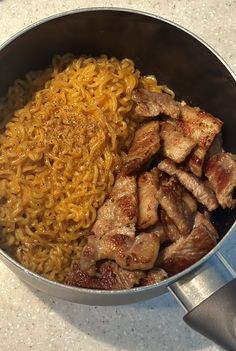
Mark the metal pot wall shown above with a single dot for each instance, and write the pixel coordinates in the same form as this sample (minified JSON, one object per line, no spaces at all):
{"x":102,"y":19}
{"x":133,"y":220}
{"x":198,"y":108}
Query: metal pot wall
{"x":197,"y":75}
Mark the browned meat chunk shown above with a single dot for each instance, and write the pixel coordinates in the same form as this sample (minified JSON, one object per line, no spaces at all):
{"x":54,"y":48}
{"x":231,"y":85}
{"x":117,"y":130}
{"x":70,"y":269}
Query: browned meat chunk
{"x":176,"y":145}
{"x":190,"y":202}
{"x":204,"y":219}
{"x":151,"y":104}
{"x":221,"y":172}
{"x":170,"y":229}
{"x":129,"y":253}
{"x":148,"y":203}
{"x":202,"y":127}
{"x":110,"y":277}
{"x":196,"y":186}
{"x":117,"y":215}
{"x":159,"y":231}
{"x":154,"y":276}
{"x":188,"y":250}
{"x":215,"y":148}
{"x":146,"y":143}
{"x":120,"y":209}
{"x":170,"y":196}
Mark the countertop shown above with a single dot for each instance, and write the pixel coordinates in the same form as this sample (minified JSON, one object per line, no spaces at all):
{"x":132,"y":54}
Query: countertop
{"x":31,"y":320}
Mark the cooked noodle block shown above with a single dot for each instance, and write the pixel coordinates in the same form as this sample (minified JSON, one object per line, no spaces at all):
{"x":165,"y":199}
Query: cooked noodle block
{"x":69,"y":128}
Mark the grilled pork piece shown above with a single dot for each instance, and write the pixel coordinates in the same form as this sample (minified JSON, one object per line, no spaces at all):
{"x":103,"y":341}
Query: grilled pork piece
{"x":190,"y":202}
{"x":188,"y":250}
{"x":205,"y":220}
{"x":120,"y":209}
{"x":129,"y":253}
{"x":221,"y":172}
{"x":159,"y":230}
{"x":171,"y":198}
{"x":110,"y":277}
{"x":171,"y":231}
{"x":202,"y":127}
{"x":196,"y":186}
{"x":118,"y":215}
{"x":154,"y":276}
{"x":151,"y":104}
{"x":146,"y":143}
{"x":148,"y":203}
{"x":215,"y":148}
{"x":176,"y":145}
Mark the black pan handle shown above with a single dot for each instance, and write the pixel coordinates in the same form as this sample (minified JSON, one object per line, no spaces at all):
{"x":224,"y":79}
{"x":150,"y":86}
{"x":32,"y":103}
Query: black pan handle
{"x":209,"y":295}
{"x":215,"y":317}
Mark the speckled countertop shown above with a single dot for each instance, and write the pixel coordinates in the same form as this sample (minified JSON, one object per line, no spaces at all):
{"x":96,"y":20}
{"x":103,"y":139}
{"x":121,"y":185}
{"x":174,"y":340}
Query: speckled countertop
{"x":30,"y":320}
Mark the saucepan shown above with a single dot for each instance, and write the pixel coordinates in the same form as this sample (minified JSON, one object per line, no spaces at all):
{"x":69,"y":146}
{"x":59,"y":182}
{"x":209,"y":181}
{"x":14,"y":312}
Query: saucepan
{"x":207,"y":290}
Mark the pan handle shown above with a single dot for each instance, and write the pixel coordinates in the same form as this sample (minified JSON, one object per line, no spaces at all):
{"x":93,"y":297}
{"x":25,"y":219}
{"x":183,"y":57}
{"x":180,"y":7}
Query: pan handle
{"x":209,"y":296}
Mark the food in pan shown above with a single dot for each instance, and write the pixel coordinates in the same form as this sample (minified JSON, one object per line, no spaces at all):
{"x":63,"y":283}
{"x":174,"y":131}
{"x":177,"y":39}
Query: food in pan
{"x":106,"y":181}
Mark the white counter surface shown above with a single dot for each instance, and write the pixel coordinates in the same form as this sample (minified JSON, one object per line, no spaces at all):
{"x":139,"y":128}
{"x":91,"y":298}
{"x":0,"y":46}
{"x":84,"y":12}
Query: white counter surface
{"x":30,"y":320}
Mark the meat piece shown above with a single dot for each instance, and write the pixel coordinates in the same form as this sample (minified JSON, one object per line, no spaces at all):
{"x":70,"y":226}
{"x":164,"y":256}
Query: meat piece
{"x":215,"y":148}
{"x":129,"y":253}
{"x":170,"y":197}
{"x":148,"y":202}
{"x":170,"y":229}
{"x":188,"y":250}
{"x":221,"y":172}
{"x":196,"y":186}
{"x":175,"y":145}
{"x":190,"y":202}
{"x":110,"y":277}
{"x":154,"y":276}
{"x":159,"y":231}
{"x":146,"y":143}
{"x":151,"y":104}
{"x":120,"y":209}
{"x":118,"y":213}
{"x":202,"y":127}
{"x":204,"y":219}
{"x":172,"y":232}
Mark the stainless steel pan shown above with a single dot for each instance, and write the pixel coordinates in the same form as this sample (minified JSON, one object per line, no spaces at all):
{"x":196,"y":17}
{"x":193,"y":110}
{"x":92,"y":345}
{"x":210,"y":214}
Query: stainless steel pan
{"x":207,"y":290}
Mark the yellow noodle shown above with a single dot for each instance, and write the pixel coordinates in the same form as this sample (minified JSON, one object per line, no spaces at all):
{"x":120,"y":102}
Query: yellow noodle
{"x":70,"y":126}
